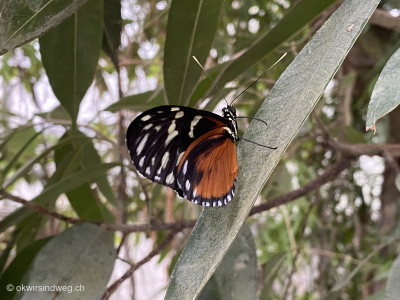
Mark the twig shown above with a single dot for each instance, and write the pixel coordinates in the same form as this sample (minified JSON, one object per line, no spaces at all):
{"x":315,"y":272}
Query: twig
{"x":132,"y":269}
{"x":327,"y":176}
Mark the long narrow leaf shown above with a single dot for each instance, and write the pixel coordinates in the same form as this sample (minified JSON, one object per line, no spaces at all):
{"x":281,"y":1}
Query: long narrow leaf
{"x":191,"y":28}
{"x":286,"y":108}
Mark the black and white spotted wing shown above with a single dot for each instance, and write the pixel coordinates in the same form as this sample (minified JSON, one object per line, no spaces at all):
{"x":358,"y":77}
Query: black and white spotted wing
{"x":158,"y":138}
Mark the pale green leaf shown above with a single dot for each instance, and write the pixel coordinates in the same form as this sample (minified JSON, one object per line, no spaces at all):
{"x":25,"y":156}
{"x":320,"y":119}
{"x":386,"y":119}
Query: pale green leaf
{"x":386,"y":94}
{"x":393,"y":281}
{"x":286,"y":108}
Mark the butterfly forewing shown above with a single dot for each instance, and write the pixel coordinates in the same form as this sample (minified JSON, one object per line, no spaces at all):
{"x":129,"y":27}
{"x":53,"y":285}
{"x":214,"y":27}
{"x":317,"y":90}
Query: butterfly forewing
{"x":158,"y":139}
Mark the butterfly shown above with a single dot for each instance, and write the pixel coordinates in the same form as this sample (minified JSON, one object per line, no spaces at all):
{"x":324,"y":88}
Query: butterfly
{"x":189,"y":150}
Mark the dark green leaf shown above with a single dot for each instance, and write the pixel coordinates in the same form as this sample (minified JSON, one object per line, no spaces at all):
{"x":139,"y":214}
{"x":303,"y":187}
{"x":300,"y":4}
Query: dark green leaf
{"x":70,"y":53}
{"x":292,"y":98}
{"x":112,"y":29}
{"x":18,"y":267}
{"x":24,"y":20}
{"x":191,"y":28}
{"x":139,"y":102}
{"x":271,"y":271}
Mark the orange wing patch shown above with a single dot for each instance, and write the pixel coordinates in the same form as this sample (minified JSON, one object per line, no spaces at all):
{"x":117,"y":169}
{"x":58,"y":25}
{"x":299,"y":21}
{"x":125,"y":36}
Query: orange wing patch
{"x":209,"y":168}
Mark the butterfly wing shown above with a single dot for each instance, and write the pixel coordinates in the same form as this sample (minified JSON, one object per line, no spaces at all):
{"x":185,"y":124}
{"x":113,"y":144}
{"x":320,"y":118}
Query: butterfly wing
{"x":208,"y":170}
{"x":158,"y":139}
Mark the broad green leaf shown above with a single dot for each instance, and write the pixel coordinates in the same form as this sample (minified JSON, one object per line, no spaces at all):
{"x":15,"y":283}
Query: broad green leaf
{"x":28,"y":229}
{"x":139,"y":102}
{"x":112,"y":29}
{"x":70,"y":53}
{"x":236,"y":276}
{"x":51,"y":192}
{"x":22,"y":21}
{"x":386,"y":94}
{"x":302,"y":13}
{"x":393,"y":281}
{"x":286,"y":108}
{"x":18,"y":267}
{"x":271,"y":271}
{"x":81,"y":255}
{"x":191,"y":29}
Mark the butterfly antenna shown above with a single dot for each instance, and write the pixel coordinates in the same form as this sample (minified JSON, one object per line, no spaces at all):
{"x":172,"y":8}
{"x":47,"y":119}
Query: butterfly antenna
{"x":259,"y":77}
{"x":257,"y":119}
{"x":194,"y":57}
{"x":272,"y":148}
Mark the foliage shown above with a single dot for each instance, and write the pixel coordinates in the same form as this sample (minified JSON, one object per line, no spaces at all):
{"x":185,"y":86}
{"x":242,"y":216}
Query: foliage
{"x":325,"y":224}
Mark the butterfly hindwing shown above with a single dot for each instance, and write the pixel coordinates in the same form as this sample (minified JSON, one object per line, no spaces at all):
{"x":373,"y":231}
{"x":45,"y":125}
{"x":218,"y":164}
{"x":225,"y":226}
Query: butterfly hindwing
{"x":158,"y":138}
{"x":208,"y":170}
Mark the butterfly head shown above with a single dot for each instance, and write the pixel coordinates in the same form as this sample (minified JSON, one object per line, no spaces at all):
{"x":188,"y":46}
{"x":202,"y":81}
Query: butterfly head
{"x":229,"y":112}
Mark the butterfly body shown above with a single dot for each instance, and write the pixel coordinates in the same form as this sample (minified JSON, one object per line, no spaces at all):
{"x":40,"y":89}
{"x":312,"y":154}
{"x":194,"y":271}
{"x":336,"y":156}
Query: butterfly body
{"x":192,"y":151}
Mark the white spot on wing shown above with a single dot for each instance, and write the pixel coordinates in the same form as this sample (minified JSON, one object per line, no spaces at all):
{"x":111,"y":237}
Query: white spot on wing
{"x":145,"y":118}
{"x":219,"y":203}
{"x":157,"y":178}
{"x":180,"y":157}
{"x":147,"y":171}
{"x":141,"y":161}
{"x":153,"y":160}
{"x":170,"y":137}
{"x":148,"y":126}
{"x":187,"y":185}
{"x":172,"y":127}
{"x":141,"y":145}
{"x":229,"y":197}
{"x":164,"y":160}
{"x":174,"y":108}
{"x":194,"y":193}
{"x":192,"y":124}
{"x":185,"y":167}
{"x":157,"y":128}
{"x":170,"y":178}
{"x":179,"y":115}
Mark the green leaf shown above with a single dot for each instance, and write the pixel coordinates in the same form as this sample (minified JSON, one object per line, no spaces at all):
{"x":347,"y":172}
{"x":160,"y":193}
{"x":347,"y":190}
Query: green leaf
{"x":236,"y":276}
{"x":82,"y":198}
{"x":70,"y":53}
{"x":271,"y":271}
{"x":392,"y":285}
{"x":28,"y":166}
{"x":51,"y":192}
{"x":82,"y":255}
{"x":286,"y":108}
{"x":139,"y":102}
{"x":386,"y":94}
{"x":24,"y":20}
{"x":59,"y":114}
{"x":346,"y":279}
{"x":112,"y":29}
{"x":6,"y":252}
{"x":18,"y":267}
{"x":302,"y":13}
{"x":21,"y":150}
{"x":191,"y":29}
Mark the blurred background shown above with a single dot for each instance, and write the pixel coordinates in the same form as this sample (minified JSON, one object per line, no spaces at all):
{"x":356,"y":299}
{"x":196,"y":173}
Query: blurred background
{"x":304,"y":247}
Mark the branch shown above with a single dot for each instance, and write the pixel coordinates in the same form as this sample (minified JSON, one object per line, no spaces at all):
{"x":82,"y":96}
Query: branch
{"x":328,"y":175}
{"x":365,"y":149}
{"x":385,"y":19}
{"x":133,"y":268}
